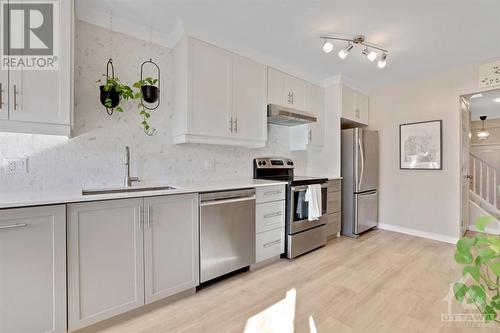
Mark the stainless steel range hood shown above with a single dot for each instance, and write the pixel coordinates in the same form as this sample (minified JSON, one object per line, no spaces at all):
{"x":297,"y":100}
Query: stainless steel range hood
{"x":284,"y":116}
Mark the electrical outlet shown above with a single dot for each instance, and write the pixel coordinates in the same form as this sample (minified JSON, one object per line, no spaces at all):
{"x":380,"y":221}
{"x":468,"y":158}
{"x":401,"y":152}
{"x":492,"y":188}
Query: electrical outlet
{"x":15,"y":166}
{"x":210,"y":164}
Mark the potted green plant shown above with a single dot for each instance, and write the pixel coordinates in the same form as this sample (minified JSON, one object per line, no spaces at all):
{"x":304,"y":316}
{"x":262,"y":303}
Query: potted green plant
{"x":112,"y":91}
{"x":149,"y":90}
{"x":480,"y":256}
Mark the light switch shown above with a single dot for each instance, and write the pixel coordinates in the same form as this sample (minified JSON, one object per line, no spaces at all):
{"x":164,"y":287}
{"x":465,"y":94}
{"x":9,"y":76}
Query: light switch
{"x":15,"y":166}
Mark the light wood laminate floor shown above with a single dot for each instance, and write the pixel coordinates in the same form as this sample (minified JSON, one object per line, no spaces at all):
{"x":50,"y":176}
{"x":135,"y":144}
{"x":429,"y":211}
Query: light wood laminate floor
{"x":381,"y":282}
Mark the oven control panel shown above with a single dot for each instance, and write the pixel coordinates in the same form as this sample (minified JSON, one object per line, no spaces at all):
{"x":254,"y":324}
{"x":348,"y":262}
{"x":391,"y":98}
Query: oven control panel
{"x":273,"y":163}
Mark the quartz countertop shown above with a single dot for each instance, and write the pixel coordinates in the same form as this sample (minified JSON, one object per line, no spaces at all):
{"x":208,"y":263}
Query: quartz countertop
{"x":72,"y":196}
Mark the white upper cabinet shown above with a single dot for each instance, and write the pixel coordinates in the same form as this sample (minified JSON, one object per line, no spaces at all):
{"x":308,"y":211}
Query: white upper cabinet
{"x":249,"y":99}
{"x":220,"y":97}
{"x":33,"y":270}
{"x":311,"y":136}
{"x":287,"y":90}
{"x":40,"y":101}
{"x":354,"y":106}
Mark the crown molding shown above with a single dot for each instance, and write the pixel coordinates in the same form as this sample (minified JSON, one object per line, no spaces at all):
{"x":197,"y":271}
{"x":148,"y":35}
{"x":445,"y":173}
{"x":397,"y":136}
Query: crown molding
{"x":129,"y":28}
{"x":344,"y":80}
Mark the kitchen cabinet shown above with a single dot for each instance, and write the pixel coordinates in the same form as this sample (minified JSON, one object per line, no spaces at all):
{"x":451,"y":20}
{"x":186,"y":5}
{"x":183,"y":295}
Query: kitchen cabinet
{"x":270,"y":222}
{"x":33,"y":269}
{"x":171,"y":242}
{"x":354,"y":106}
{"x":287,"y":90}
{"x":125,"y":253}
{"x":334,"y":208}
{"x":220,"y":97}
{"x":105,"y":260}
{"x":40,"y":101}
{"x":311,"y":136}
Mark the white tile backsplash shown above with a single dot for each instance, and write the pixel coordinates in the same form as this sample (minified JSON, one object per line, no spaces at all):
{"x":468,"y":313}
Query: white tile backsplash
{"x":94,"y":155}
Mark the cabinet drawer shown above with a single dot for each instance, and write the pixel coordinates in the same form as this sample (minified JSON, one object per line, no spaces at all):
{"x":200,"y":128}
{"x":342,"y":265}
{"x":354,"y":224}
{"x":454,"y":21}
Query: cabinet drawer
{"x":334,"y":185}
{"x":269,"y":244}
{"x":270,"y":215}
{"x":334,"y":202}
{"x":333,"y":224}
{"x":270,"y":193}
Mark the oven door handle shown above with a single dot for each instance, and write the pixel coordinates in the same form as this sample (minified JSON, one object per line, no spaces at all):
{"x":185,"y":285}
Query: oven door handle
{"x":304,"y":187}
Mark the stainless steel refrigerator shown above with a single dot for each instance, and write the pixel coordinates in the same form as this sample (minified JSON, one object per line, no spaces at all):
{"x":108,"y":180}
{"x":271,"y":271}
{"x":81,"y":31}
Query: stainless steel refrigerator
{"x":360,"y":181}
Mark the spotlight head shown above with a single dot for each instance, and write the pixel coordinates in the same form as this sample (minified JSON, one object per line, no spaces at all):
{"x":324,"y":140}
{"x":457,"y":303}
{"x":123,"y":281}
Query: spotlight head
{"x":327,"y":46}
{"x":371,"y":55}
{"x":345,"y":51}
{"x":382,"y":61}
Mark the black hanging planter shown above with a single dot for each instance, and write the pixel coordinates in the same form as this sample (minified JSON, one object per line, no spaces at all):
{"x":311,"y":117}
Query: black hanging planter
{"x":111,"y":94}
{"x":150,"y":93}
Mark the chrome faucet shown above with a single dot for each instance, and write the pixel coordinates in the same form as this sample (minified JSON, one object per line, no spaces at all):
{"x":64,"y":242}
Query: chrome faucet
{"x":128,"y":180}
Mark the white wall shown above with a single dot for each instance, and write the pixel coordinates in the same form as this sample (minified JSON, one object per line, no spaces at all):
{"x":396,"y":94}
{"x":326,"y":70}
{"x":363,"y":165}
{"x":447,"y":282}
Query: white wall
{"x":94,"y":156}
{"x":426,"y":201}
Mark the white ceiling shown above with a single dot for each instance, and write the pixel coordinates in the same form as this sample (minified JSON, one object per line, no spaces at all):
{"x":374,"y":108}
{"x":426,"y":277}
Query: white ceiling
{"x":423,"y":36}
{"x":485,"y":105}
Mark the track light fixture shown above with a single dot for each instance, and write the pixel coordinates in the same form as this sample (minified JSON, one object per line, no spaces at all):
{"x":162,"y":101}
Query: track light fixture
{"x":327,"y":46}
{"x":345,"y":51}
{"x":371,"y":51}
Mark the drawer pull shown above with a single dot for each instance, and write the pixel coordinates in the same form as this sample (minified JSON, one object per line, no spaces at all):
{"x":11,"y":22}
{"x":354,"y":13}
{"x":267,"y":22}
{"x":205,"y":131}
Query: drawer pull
{"x":12,"y":226}
{"x":272,"y":243}
{"x":272,"y":192}
{"x":268,"y":216}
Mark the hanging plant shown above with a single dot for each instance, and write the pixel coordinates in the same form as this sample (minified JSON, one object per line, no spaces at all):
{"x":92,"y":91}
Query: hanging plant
{"x":112,"y":90}
{"x":150,"y":92}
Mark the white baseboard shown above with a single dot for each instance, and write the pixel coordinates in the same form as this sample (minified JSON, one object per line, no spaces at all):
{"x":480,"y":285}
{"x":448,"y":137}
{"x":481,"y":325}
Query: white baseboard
{"x":492,"y":231}
{"x":418,"y":233}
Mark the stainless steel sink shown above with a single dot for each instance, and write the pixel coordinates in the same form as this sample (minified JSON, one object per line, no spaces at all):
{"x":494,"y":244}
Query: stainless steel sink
{"x":127,"y":190}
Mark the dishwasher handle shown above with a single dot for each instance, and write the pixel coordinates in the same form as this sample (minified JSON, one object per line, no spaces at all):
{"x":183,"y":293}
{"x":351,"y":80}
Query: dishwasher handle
{"x":226,"y":201}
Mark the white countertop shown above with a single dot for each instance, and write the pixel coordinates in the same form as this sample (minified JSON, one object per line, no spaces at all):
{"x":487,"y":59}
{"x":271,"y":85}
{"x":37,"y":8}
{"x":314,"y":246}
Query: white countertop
{"x":62,"y":197}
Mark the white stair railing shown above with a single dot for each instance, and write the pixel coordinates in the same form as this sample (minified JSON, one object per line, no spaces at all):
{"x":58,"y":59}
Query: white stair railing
{"x":485,"y":181}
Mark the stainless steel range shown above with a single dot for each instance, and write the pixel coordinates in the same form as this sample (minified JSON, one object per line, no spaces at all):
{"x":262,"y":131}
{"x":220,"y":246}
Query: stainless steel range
{"x":302,"y":235}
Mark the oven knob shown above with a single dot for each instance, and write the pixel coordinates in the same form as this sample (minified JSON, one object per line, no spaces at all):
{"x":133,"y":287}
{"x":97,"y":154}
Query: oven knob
{"x":264,"y":163}
{"x":260,"y":163}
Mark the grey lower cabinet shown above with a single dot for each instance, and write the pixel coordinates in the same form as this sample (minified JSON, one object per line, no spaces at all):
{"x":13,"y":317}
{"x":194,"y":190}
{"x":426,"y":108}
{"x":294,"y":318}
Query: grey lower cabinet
{"x":123,"y":254}
{"x":33,"y":270}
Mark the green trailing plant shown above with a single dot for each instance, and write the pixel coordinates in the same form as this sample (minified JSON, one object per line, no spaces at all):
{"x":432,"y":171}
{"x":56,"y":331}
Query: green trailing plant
{"x":480,"y":256}
{"x":113,"y":85}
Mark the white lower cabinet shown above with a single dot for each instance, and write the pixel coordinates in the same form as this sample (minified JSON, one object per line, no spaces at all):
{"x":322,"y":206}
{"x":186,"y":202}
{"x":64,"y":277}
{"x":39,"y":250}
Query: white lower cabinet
{"x":269,"y":222}
{"x":171,"y":242}
{"x":105,"y":260}
{"x":123,"y":254}
{"x":33,"y":270}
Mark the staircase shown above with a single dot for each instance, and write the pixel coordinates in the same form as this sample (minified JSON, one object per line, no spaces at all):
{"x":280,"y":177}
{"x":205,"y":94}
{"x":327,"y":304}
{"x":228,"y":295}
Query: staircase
{"x":485,"y":185}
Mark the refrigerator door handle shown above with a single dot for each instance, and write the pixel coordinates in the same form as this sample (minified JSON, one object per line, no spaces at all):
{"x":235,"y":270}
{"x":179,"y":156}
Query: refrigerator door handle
{"x":361,"y":153}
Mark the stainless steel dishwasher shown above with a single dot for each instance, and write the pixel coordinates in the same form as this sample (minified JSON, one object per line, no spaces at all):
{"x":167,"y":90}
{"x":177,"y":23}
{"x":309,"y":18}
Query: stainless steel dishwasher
{"x":227,"y":232}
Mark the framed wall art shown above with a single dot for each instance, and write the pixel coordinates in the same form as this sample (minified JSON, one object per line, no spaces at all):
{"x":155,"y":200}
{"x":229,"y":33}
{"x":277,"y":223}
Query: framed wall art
{"x":420,"y":145}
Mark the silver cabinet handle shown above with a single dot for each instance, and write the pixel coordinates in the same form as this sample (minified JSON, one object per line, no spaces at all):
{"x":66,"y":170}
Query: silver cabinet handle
{"x":268,"y":216}
{"x":292,"y":97}
{"x":148,"y":214}
{"x":226,"y":201}
{"x":231,"y":124}
{"x":13,"y":226}
{"x":272,"y":192}
{"x":141,"y":217}
{"x":290,"y":101}
{"x":272,"y":243}
{"x":310,"y":135}
{"x":236,"y":125}
{"x":15,"y":97}
{"x":1,"y":95}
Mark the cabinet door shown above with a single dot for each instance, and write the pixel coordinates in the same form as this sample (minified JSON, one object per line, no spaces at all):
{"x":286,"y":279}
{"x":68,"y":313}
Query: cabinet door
{"x":249,"y":99}
{"x":276,"y":89}
{"x":317,"y":103}
{"x":296,"y":88}
{"x":171,"y":245}
{"x":361,"y":108}
{"x":348,"y":102}
{"x":43,"y":96}
{"x":211,"y":90}
{"x":33,"y":270}
{"x":105,"y":260}
{"x":4,"y":94}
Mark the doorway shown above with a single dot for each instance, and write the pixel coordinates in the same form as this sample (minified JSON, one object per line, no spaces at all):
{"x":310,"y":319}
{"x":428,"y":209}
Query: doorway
{"x":480,"y":158}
